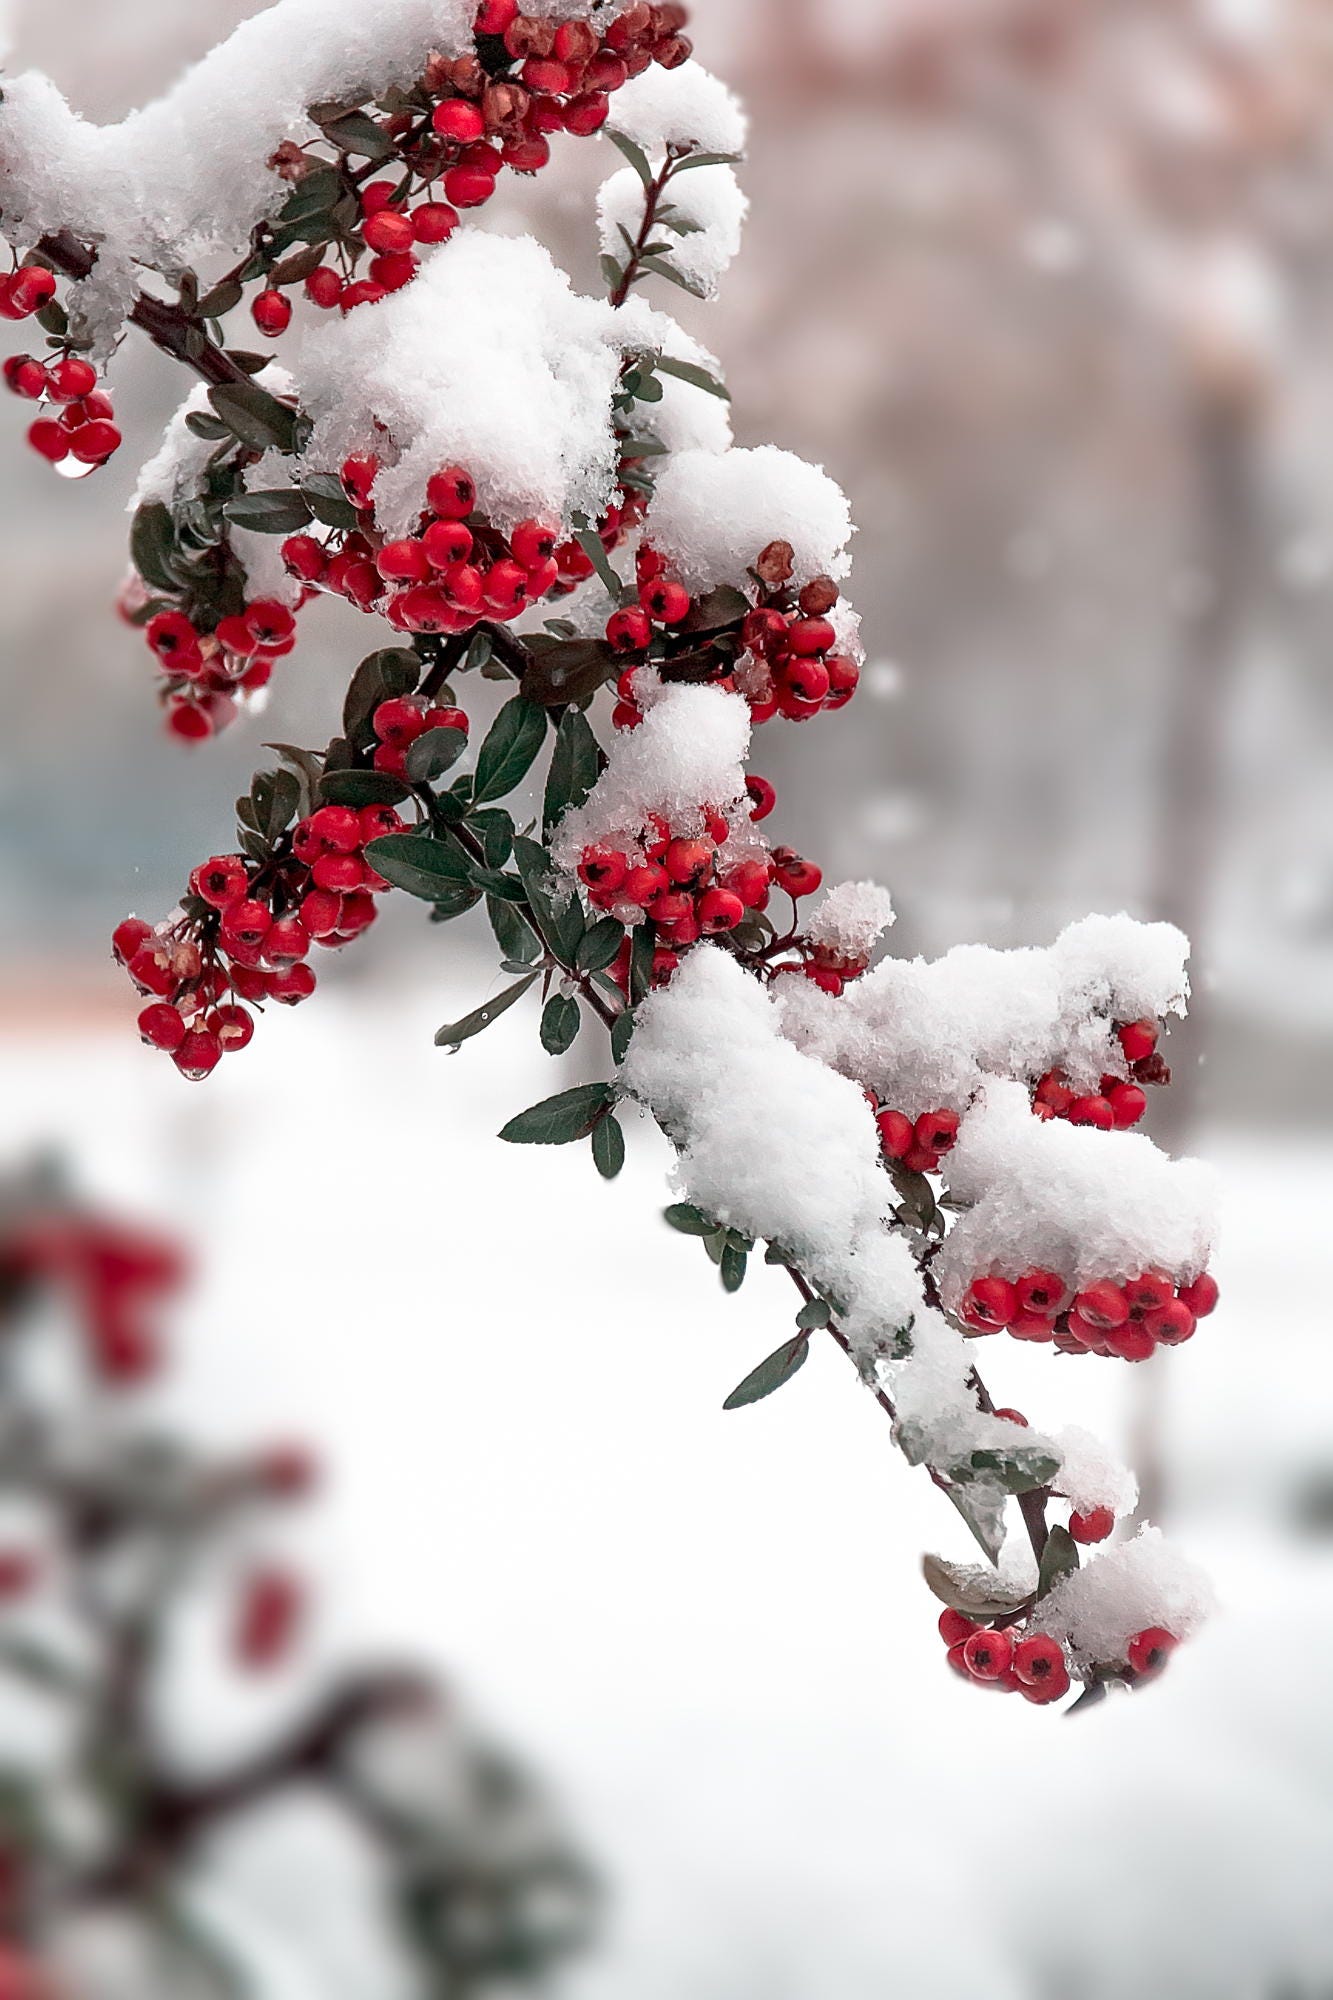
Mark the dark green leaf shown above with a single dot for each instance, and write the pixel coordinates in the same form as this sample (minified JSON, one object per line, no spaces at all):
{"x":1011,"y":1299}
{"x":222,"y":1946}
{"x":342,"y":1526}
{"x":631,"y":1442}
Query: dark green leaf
{"x":513,"y":933}
{"x":771,"y":1374}
{"x":434,"y":753}
{"x":560,"y":1023}
{"x":689,"y":1220}
{"x":509,"y":749}
{"x":552,"y":897}
{"x":558,"y":1120}
{"x":641,"y":963}
{"x":732,"y":1265}
{"x":1059,"y":1559}
{"x":622,"y":1031}
{"x":203,"y":426}
{"x":598,"y":946}
{"x":218,"y":302}
{"x":284,"y":799}
{"x":661,"y":269}
{"x":353,"y":132}
{"x":152,"y":542}
{"x":707,"y":160}
{"x":361,"y":788}
{"x":276,"y":513}
{"x":255,"y":417}
{"x":612,"y":274}
{"x":977,"y":1594}
{"x":495,"y":829}
{"x":472,"y":1024}
{"x":328,"y":500}
{"x":635,"y":154}
{"x":813,"y":1314}
{"x":608,"y":1147}
{"x":591,"y":543}
{"x":424,"y":867}
{"x":576,"y":765}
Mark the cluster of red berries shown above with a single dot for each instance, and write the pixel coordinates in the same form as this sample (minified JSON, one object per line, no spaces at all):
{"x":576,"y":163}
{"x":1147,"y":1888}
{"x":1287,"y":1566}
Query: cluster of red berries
{"x":83,"y":430}
{"x":789,"y":666}
{"x":206,"y":671}
{"x":115,"y":1277}
{"x":483,"y":122}
{"x":918,"y":1143}
{"x":1035,"y":1666}
{"x":1118,"y":1102}
{"x":452,"y":572}
{"x":998,"y":1657}
{"x":1128,"y":1320}
{"x":685,"y":884}
{"x":258,"y":927}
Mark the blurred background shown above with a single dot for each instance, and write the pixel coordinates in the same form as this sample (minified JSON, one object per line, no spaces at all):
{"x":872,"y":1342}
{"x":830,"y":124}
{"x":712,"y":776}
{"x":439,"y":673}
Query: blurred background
{"x":1048,"y":286}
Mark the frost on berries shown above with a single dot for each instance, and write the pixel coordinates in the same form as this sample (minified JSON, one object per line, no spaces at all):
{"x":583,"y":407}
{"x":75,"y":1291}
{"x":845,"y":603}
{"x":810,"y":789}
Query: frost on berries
{"x":513,"y":480}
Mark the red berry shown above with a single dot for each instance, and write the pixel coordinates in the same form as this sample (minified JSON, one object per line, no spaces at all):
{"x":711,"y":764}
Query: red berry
{"x":468,"y":186}
{"x":458,"y":120}
{"x":896,"y":1134}
{"x":603,"y":867}
{"x":629,"y":631}
{"x":403,"y":562}
{"x":642,"y":884}
{"x":506,"y":586}
{"x":1148,"y":1651}
{"x":267,"y":1619}
{"x":808,"y":636}
{"x":750,"y":881}
{"x":221,"y":881}
{"x":1149,"y":1293}
{"x":989,"y":1303}
{"x":232,"y":1026}
{"x":451,"y":494}
{"x":1103,"y":1304}
{"x":688,"y":861}
{"x":358,"y":475}
{"x":447,"y":543}
{"x":1094,"y":1526}
{"x":719,"y":910}
{"x":1039,"y":1659}
{"x":937,"y":1130}
{"x":128,"y":936}
{"x":341,"y":873}
{"x":446,"y":718}
{"x":665,"y":601}
{"x":806,"y":680}
{"x":48,"y":440}
{"x":162,"y":1027}
{"x":272,"y":312}
{"x":291,"y":984}
{"x":1200,"y":1295}
{"x":387,"y":230}
{"x":794,"y":874}
{"x":494,"y":16}
{"x":434,"y":221}
{"x":987,"y":1655}
{"x":1092,"y":1111}
{"x":762,"y":796}
{"x":1134,"y":1341}
{"x":1042,"y":1292}
{"x":26,"y":376}
{"x":72,"y":378}
{"x":303,"y":557}
{"x":1138,"y":1039}
{"x":246,"y":922}
{"x":287,"y":941}
{"x":324,"y":287}
{"x":587,"y":113}
{"x":320,"y":911}
{"x":398,"y":722}
{"x":199,"y":1054}
{"x":1128,"y":1104}
{"x":954,"y":1628}
{"x":1171,"y":1324}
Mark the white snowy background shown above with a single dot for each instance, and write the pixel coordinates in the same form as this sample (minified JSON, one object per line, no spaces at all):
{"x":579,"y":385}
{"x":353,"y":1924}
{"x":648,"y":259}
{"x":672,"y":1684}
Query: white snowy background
{"x":708,"y":1631}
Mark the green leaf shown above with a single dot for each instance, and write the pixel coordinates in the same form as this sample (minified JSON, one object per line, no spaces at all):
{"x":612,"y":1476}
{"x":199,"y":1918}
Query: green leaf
{"x":608,"y":1147}
{"x":622,"y":1033}
{"x":558,"y":1120}
{"x":361,"y":788}
{"x":561,"y":1020}
{"x":495,"y":829}
{"x":434,"y":753}
{"x":513,"y":933}
{"x":599,"y":946}
{"x":1059,"y":1559}
{"x":771,"y":1374}
{"x":275,"y":513}
{"x":641,"y":963}
{"x":707,"y":160}
{"x":424,"y":867}
{"x":661,"y":269}
{"x":612,"y":273}
{"x":472,"y":1024}
{"x":152,"y":543}
{"x":576,"y":765}
{"x":509,"y":749}
{"x":731,"y":1266}
{"x":976,"y":1593}
{"x":554,"y":903}
{"x":218,"y":302}
{"x":689,"y":1220}
{"x":354,"y":132}
{"x":284,"y":800}
{"x":813,"y":1314}
{"x":255,"y":417}
{"x":635,"y":154}
{"x":328,"y":500}
{"x":590,"y":542}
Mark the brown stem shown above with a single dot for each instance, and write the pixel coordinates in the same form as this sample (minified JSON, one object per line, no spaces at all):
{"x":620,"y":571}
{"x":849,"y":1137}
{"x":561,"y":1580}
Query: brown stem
{"x":170,"y":327}
{"x":655,"y":191}
{"x":1031,"y":1505}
